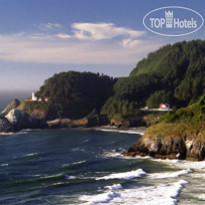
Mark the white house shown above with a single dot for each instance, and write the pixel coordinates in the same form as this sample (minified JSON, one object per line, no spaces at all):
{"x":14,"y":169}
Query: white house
{"x":164,"y":106}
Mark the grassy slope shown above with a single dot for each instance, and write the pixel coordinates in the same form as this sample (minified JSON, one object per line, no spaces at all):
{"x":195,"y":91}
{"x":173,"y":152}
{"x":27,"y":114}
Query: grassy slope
{"x":182,"y":121}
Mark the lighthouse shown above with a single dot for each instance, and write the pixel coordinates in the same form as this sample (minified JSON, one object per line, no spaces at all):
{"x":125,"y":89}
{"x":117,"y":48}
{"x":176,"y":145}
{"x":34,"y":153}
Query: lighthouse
{"x":33,"y":97}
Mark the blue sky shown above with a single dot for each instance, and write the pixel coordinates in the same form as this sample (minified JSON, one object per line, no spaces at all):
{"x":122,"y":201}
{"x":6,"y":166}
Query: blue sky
{"x":41,"y":37}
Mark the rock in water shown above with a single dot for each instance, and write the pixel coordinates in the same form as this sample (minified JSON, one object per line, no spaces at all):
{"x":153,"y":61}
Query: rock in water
{"x":13,"y":105}
{"x":22,"y":120}
{"x":5,"y":125}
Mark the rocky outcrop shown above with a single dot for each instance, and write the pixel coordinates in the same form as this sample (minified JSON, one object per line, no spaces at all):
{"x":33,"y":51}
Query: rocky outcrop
{"x":22,"y":120}
{"x":128,"y":121}
{"x":187,"y":146}
{"x":5,"y":125}
{"x":66,"y":122}
{"x":13,"y":105}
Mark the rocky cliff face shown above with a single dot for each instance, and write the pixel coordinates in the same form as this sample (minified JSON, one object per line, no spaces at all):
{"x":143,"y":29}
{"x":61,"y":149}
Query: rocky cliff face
{"x":22,"y":120}
{"x":13,"y":105}
{"x":188,"y":146}
{"x":5,"y":125}
{"x":12,"y":119}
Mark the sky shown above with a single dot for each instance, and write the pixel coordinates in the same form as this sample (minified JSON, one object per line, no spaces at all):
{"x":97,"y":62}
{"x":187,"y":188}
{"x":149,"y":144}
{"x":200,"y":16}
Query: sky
{"x":41,"y":37}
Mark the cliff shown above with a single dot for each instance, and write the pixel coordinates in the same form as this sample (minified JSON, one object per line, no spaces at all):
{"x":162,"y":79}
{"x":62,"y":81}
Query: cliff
{"x":189,"y":145}
{"x":14,"y":104}
{"x":178,"y":135}
{"x":13,"y":119}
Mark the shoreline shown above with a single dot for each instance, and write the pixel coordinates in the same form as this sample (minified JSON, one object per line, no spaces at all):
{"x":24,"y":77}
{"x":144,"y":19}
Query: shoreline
{"x":107,"y":128}
{"x":132,"y":130}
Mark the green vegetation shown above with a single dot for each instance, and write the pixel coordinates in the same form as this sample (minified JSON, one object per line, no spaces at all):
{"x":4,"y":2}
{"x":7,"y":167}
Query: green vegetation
{"x":188,"y":120}
{"x":152,"y":118}
{"x":174,"y":74}
{"x":38,"y":109}
{"x":130,"y":94}
{"x":194,"y":113}
{"x":178,"y":129}
{"x":73,"y":94}
{"x":95,"y":118}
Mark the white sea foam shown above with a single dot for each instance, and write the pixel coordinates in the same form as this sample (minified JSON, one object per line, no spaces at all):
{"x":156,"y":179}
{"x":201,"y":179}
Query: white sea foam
{"x":4,"y":165}
{"x":149,"y":195}
{"x":112,"y":154}
{"x":164,"y":175}
{"x":201,"y":197}
{"x":79,"y":162}
{"x":31,"y":154}
{"x":114,"y":187}
{"x":128,"y":131}
{"x":78,"y":149}
{"x":74,"y":163}
{"x":7,"y":133}
{"x":51,"y":176}
{"x":58,"y":183}
{"x":198,"y":175}
{"x":124,"y":175}
{"x":183,"y":164}
{"x":14,"y":133}
{"x":100,"y":198}
{"x":70,"y":177}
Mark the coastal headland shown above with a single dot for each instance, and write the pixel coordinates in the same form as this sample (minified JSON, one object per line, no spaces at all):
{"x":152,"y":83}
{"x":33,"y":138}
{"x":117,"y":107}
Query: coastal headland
{"x":172,"y":77}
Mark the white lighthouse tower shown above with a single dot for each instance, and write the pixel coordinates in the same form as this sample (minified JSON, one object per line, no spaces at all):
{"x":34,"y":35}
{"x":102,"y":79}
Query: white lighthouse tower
{"x":33,"y":97}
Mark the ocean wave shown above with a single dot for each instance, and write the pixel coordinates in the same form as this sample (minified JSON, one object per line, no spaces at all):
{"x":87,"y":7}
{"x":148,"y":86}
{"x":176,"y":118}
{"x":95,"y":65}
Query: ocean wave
{"x":169,"y":174}
{"x":100,"y":198}
{"x":112,"y":154}
{"x":183,"y":164}
{"x":198,"y":175}
{"x":201,"y":197}
{"x":57,"y":183}
{"x":31,"y":154}
{"x":22,"y":132}
{"x":54,"y":176}
{"x":38,"y":179}
{"x":4,"y":165}
{"x":124,"y":175}
{"x":74,"y":163}
{"x":7,"y":133}
{"x":114,"y":187}
{"x":149,"y":195}
{"x":70,"y":177}
{"x":129,"y":131}
{"x":78,"y":149}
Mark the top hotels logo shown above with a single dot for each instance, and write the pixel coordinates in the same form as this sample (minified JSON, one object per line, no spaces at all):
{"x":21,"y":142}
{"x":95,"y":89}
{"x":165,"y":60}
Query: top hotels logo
{"x":173,"y":21}
{"x":169,"y":19}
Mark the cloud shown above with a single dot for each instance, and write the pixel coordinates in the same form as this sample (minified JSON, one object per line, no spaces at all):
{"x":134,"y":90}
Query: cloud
{"x":52,"y":25}
{"x":49,"y":26}
{"x":102,"y":31}
{"x":87,"y":43}
{"x":63,"y":35}
{"x":130,"y":43}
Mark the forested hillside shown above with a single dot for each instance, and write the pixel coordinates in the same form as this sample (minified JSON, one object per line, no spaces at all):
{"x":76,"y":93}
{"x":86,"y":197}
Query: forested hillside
{"x":72,"y":95}
{"x":174,"y":74}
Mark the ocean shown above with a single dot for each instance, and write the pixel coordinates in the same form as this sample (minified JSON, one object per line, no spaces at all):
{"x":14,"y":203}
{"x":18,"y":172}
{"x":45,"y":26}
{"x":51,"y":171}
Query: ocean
{"x":84,"y":166}
{"x":79,"y":166}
